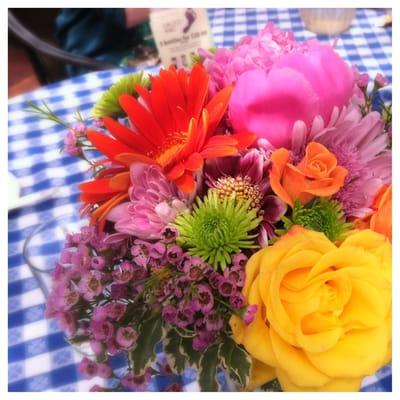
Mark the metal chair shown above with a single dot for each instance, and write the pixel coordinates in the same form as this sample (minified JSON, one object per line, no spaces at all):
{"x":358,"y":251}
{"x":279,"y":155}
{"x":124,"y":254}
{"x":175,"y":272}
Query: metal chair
{"x":36,"y":46}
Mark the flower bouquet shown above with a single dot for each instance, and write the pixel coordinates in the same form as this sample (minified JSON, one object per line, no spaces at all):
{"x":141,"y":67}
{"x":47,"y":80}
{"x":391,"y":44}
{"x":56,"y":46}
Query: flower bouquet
{"x":239,"y":221}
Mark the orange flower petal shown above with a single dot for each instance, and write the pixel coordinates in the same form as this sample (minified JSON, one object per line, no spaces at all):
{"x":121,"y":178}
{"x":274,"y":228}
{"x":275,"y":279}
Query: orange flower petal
{"x":198,"y":89}
{"x":186,"y":183}
{"x":129,"y":158}
{"x":106,"y":145}
{"x":137,"y":143}
{"x":98,"y":186}
{"x":218,"y":151}
{"x":279,"y":159}
{"x":142,"y":119}
{"x":175,"y":172}
{"x":244,"y":140}
{"x":217,"y":107}
{"x":121,"y":181}
{"x":194,"y":162}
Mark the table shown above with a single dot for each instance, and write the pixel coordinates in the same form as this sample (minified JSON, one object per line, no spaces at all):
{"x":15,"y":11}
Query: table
{"x":39,"y":357}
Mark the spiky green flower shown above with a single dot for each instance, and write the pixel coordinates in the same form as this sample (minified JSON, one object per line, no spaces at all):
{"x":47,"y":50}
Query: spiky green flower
{"x":108,"y":104}
{"x":217,"y":228}
{"x":321,"y":215}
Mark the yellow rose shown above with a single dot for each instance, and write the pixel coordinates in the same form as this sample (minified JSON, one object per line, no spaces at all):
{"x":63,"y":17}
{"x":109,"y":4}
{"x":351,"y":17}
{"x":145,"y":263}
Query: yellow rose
{"x":323,"y":321}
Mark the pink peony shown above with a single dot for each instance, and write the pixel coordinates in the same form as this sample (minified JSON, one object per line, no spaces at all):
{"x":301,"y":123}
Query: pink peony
{"x":154,"y":203}
{"x":299,"y":86}
{"x":252,"y":52}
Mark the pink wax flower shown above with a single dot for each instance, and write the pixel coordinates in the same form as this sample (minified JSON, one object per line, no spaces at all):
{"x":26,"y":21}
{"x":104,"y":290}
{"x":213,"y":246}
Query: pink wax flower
{"x":154,"y":203}
{"x":299,"y":86}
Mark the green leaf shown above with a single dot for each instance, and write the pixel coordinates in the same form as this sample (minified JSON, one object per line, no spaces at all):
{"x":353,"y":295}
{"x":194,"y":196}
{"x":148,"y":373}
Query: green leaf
{"x":192,"y":356}
{"x":108,"y":104}
{"x":172,"y":348}
{"x":209,"y":362}
{"x":150,"y":332}
{"x":236,"y":361}
{"x":272,"y":386}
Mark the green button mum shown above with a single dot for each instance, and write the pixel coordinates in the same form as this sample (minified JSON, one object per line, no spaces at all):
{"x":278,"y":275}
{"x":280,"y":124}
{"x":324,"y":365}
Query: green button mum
{"x":218,"y":228}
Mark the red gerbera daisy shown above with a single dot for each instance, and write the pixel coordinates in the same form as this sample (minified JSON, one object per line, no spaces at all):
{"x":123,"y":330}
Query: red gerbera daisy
{"x":172,"y":126}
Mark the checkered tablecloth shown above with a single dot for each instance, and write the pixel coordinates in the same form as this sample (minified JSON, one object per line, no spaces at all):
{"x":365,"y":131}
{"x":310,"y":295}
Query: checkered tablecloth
{"x":39,"y":357}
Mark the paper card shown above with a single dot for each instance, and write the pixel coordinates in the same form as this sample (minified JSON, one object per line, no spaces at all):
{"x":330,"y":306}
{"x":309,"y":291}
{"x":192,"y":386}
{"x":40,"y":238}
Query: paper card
{"x":179,"y":33}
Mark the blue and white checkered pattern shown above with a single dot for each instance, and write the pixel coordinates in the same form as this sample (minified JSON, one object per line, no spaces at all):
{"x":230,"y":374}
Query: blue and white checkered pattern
{"x":39,"y":357}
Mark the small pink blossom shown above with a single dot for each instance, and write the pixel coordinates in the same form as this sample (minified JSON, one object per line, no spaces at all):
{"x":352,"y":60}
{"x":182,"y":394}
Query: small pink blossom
{"x":250,"y":313}
{"x":88,"y":368}
{"x":104,"y":370}
{"x":126,"y":336}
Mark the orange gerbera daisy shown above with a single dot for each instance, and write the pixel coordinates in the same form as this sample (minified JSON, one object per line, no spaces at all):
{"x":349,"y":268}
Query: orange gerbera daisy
{"x":172,"y":126}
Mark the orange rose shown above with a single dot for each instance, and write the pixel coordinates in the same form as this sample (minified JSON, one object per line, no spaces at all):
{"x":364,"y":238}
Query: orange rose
{"x":316,"y":175}
{"x":380,"y":220}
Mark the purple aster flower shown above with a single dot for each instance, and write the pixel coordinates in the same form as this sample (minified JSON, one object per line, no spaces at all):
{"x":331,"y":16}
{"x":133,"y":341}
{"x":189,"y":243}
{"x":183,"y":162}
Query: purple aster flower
{"x":250,"y":313}
{"x":246,"y":176}
{"x":123,"y":273}
{"x":169,"y":314}
{"x":205,"y":297}
{"x":88,"y":368}
{"x":154,"y":203}
{"x":360,"y":146}
{"x":126,"y":337}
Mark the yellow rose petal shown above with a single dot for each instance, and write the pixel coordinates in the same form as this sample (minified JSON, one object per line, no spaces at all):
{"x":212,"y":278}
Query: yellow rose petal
{"x":260,"y":374}
{"x":295,"y":363}
{"x":335,"y":385}
{"x":358,"y":353}
{"x":257,"y":342}
{"x":366,"y":308}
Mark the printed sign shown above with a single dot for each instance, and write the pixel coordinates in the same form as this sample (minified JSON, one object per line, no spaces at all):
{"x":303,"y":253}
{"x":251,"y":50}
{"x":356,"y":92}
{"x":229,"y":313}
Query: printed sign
{"x":179,"y":33}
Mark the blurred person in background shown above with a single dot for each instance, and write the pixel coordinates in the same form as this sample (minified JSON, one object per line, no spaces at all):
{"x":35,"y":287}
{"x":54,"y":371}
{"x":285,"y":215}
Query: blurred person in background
{"x":112,"y":35}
